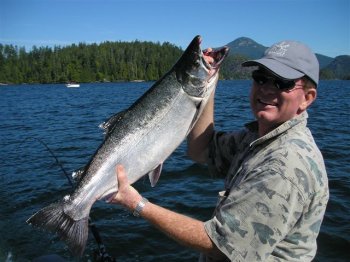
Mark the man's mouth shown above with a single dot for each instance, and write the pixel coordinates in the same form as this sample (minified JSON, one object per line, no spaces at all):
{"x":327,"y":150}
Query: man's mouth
{"x":267,"y":103}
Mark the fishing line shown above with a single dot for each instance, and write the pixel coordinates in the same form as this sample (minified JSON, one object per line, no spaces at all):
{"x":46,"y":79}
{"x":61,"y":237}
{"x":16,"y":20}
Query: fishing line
{"x":101,"y":255}
{"x":57,"y":161}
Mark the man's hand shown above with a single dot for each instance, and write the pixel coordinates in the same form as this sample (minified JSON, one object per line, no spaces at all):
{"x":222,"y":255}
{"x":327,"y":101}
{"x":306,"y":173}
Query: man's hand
{"x":126,"y":196}
{"x":185,"y":230}
{"x":208,"y":55}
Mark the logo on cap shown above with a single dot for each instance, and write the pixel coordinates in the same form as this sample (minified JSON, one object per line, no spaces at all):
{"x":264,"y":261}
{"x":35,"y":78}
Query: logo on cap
{"x":279,"y":49}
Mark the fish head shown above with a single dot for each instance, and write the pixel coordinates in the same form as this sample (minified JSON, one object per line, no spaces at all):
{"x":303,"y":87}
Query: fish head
{"x":197,"y":76}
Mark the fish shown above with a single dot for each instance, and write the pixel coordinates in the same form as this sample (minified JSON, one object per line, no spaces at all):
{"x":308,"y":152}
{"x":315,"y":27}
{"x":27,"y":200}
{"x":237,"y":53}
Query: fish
{"x":140,"y":138}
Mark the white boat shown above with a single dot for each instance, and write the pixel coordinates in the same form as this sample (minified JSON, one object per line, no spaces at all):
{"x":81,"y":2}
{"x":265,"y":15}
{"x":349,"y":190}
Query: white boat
{"x":72,"y":85}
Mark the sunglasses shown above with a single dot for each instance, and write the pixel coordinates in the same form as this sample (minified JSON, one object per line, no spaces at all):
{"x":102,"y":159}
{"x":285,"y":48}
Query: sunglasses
{"x":261,"y":79}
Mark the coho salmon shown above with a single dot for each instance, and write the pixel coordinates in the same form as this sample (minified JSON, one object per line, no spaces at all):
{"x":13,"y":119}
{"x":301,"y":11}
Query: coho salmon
{"x":140,"y":138}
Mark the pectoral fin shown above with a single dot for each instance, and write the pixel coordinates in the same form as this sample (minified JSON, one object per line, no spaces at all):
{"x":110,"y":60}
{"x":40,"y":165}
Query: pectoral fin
{"x":155,"y":174}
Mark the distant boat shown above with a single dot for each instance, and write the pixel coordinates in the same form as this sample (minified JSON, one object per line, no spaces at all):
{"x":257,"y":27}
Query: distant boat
{"x":72,"y":85}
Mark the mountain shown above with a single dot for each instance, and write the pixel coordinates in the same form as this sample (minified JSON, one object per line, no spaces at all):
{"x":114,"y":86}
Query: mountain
{"x":246,"y":47}
{"x":339,"y":68}
{"x":324,"y":60}
{"x":253,"y":50}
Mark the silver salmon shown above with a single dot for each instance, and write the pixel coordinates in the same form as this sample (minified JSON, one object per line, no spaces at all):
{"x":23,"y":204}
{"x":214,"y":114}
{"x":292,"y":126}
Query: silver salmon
{"x":140,"y":138}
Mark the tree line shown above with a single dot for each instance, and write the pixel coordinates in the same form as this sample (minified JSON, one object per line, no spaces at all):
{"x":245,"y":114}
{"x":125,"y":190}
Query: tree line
{"x":108,"y":61}
{"x":105,"y":62}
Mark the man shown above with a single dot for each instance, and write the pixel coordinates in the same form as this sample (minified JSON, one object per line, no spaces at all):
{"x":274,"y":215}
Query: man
{"x":276,"y":186}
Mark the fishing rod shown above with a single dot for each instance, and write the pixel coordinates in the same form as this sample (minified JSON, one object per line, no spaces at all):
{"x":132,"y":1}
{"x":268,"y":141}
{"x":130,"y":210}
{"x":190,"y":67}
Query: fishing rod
{"x":57,"y":161}
{"x":101,"y":254}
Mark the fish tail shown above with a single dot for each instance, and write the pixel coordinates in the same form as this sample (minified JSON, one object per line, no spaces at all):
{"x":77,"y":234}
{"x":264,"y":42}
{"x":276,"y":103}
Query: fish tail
{"x":53,"y":218}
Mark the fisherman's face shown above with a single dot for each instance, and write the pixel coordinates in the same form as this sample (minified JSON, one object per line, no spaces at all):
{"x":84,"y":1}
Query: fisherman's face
{"x":272,"y":106}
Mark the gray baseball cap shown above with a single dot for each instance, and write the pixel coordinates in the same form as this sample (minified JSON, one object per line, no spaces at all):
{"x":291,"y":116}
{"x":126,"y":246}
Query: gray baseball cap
{"x":289,"y":60}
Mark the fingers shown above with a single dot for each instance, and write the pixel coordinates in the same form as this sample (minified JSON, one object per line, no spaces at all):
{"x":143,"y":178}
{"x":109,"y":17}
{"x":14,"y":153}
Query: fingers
{"x":208,"y":55}
{"x":207,"y":51}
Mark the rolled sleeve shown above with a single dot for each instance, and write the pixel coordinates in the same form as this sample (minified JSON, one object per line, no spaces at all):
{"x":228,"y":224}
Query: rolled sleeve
{"x":222,"y":151}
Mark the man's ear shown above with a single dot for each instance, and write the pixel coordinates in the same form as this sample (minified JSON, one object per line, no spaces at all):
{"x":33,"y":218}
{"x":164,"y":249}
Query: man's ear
{"x":309,"y":97}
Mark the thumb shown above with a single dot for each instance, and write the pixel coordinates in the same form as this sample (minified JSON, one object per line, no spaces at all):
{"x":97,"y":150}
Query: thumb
{"x":121,"y":176}
{"x":126,"y":195}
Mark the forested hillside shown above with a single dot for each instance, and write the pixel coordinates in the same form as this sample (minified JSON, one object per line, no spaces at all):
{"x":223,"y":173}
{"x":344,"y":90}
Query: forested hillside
{"x":109,"y":61}
{"x":124,"y":61}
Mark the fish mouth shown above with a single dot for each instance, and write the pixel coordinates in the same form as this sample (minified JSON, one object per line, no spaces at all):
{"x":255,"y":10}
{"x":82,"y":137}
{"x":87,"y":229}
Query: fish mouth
{"x":215,"y":57}
{"x":198,"y":69}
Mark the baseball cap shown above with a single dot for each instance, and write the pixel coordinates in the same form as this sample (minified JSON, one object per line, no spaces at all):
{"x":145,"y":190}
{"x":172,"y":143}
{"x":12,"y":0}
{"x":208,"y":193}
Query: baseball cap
{"x":289,"y":60}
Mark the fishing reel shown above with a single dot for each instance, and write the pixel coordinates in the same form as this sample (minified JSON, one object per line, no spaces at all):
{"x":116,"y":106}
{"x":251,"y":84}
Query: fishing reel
{"x":100,"y":254}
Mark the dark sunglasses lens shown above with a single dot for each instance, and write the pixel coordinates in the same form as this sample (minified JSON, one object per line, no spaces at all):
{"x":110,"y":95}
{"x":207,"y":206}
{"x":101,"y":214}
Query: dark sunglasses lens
{"x":284,"y":84}
{"x":280,"y":84}
{"x":259,"y":79}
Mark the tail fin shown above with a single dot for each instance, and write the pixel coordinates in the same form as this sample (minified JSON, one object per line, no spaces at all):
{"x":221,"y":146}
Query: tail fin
{"x":53,"y":218}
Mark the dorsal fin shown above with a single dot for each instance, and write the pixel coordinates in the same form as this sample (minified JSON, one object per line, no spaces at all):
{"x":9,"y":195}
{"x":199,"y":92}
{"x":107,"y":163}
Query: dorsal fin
{"x":107,"y":126}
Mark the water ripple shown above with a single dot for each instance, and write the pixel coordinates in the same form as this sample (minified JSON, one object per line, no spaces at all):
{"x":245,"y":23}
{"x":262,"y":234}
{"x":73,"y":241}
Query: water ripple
{"x":67,"y":121}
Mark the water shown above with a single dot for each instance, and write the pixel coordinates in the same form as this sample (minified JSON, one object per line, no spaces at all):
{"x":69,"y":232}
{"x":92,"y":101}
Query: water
{"x":67,"y":121}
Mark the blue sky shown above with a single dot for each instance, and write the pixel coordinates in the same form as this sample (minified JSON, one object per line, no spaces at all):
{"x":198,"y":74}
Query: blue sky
{"x":324,"y":25}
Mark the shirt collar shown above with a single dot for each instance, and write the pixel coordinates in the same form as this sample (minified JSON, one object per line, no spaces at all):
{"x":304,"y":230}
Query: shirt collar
{"x":253,"y":127}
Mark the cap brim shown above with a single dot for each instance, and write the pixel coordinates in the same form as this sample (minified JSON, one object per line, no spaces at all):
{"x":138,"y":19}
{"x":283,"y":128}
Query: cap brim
{"x":275,"y":67}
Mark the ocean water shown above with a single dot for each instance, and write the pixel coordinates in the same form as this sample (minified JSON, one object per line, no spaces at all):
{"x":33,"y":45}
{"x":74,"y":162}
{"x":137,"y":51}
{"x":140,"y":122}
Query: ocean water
{"x":67,"y":119}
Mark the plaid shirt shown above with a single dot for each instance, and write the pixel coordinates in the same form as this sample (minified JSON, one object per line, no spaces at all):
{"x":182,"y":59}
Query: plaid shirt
{"x":275,"y":197}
